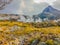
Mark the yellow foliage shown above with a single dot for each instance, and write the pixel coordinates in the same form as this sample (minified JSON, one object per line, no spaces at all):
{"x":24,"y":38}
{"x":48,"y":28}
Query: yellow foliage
{"x":24,"y":28}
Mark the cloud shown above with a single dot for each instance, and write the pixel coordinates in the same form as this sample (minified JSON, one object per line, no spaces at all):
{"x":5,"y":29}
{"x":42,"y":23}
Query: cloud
{"x":22,"y":4}
{"x":12,"y":8}
{"x":50,"y":2}
{"x":57,"y":4}
{"x":31,"y":8}
{"x":26,"y":7}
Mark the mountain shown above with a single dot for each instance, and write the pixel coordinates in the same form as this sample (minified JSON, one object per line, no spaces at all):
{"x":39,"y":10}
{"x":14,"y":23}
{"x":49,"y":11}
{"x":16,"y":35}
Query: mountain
{"x":50,"y":12}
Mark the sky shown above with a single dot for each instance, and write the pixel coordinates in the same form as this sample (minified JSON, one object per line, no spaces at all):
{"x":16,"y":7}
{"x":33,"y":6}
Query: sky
{"x":29,"y":7}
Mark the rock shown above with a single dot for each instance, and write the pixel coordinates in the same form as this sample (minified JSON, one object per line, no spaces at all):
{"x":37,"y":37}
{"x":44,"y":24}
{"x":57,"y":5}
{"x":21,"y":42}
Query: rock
{"x":35,"y":42}
{"x":42,"y":43}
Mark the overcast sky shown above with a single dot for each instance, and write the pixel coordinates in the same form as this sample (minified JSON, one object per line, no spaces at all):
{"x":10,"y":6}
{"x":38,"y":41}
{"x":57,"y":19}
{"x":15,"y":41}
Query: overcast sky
{"x":29,"y":7}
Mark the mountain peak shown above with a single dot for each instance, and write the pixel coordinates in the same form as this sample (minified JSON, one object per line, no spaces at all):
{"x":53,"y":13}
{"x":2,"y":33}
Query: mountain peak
{"x":50,"y":6}
{"x":50,"y":12}
{"x":48,"y":9}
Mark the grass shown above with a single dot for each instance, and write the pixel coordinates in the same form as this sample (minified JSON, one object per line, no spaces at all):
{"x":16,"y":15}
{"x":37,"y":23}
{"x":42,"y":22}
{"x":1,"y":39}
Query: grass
{"x":13,"y":31}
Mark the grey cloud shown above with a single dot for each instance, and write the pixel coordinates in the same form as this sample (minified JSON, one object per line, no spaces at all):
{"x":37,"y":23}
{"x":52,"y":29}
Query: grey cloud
{"x":57,"y":4}
{"x":33,"y":8}
{"x":27,"y":7}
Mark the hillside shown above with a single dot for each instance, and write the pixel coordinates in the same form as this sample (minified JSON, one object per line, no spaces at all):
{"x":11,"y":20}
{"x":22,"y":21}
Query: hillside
{"x":14,"y":33}
{"x":50,"y":12}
